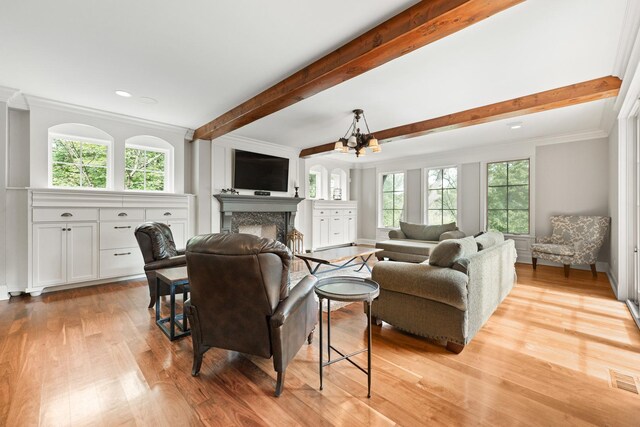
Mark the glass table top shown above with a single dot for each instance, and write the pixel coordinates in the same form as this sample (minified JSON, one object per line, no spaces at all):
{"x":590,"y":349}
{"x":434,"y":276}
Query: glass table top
{"x":347,"y":288}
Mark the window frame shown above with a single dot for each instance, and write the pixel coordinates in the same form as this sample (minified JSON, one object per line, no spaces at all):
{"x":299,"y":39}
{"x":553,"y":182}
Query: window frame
{"x":380,"y":192}
{"x":485,"y":181}
{"x":319,"y":173}
{"x":168,"y":181}
{"x":68,"y":137}
{"x":425,"y":191}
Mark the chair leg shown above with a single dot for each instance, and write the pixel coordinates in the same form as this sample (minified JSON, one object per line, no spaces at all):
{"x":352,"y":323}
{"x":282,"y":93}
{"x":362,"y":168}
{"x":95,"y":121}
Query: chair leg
{"x":197,"y":362}
{"x":454,"y":347}
{"x":376,"y":321}
{"x":152,"y":301}
{"x":279,"y":384}
{"x":566,"y":270}
{"x":594,"y":272}
{"x":310,"y":337}
{"x":534,"y":262}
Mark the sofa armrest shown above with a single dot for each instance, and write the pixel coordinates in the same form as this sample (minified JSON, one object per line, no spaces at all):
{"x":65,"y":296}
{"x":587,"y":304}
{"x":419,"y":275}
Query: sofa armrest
{"x":181,"y":251}
{"x":455,"y":234}
{"x":175,"y":261}
{"x":397,"y":234}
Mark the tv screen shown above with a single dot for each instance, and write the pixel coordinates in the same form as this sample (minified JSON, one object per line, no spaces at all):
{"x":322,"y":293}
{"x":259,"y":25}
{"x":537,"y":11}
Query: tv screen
{"x":253,"y":171}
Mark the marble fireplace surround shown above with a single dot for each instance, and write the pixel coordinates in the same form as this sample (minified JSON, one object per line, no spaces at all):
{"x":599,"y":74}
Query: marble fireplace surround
{"x":246,"y":211}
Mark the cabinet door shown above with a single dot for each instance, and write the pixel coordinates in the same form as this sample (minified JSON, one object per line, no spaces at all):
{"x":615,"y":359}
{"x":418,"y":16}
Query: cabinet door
{"x":82,"y":252}
{"x":336,"y":231}
{"x":49,"y":254}
{"x":350,"y":229}
{"x":324,"y":232}
{"x":179,"y":231}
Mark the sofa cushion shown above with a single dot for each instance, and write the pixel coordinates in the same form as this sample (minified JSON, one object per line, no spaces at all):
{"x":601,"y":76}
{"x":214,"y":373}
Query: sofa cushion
{"x":455,"y":234}
{"x":489,"y":239}
{"x":425,"y":232}
{"x":548,"y":248}
{"x":443,"y":285}
{"x":407,"y":246}
{"x":448,"y":251}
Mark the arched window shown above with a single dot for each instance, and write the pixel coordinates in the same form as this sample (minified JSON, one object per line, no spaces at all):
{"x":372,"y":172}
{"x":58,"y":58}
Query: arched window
{"x":148,"y":164}
{"x":338,"y":185}
{"x":316,"y":179}
{"x":80,"y":156}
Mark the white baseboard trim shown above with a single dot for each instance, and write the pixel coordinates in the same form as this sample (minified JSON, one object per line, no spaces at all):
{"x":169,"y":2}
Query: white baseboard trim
{"x":614,"y":283}
{"x":4,"y":293}
{"x":602,"y":267}
{"x":84,"y":284}
{"x":366,"y":242}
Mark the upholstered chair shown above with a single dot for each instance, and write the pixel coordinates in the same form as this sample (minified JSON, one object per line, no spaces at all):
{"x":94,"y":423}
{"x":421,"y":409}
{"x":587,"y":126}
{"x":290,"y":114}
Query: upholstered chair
{"x":574,"y":240}
{"x":159,"y":251}
{"x":240,"y":299}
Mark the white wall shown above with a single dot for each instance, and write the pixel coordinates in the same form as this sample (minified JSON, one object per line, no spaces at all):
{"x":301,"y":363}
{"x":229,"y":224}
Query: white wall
{"x":45,"y":114}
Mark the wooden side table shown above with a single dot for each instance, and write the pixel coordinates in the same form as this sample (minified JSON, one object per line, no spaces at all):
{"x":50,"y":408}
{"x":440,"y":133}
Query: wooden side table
{"x":174,"y":278}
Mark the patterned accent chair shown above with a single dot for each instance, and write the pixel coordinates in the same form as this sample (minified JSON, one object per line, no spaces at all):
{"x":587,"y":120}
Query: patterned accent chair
{"x":575,"y":240}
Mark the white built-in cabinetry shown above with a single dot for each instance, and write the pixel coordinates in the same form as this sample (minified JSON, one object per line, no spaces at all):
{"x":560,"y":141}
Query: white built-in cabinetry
{"x":334,"y":223}
{"x":80,"y":236}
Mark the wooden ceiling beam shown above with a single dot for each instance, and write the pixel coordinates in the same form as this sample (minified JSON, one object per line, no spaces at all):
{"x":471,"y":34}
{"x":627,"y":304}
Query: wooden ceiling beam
{"x":415,"y":27}
{"x":592,"y":90}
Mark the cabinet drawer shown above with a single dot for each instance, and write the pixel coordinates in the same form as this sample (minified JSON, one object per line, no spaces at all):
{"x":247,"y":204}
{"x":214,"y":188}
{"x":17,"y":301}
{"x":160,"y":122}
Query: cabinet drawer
{"x":121,"y":214}
{"x":337,"y":212}
{"x":350,"y":211}
{"x":166,"y":214}
{"x":121,"y":262}
{"x":65,"y":214}
{"x":324,"y":213}
{"x":115,"y":235}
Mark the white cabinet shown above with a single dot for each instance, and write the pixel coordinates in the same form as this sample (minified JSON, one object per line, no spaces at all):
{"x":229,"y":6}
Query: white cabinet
{"x":64,"y":253}
{"x":334,"y":223}
{"x":179,"y":231}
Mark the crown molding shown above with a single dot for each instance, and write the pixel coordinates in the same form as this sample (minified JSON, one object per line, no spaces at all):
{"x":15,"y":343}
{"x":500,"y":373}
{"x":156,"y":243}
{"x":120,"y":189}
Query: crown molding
{"x":6,"y":93}
{"x":37,"y":101}
{"x":230,"y":139}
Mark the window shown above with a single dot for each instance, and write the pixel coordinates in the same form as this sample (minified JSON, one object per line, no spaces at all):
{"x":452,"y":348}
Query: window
{"x":508,"y":196}
{"x":338,"y":185}
{"x":79,"y":163}
{"x":442,"y":196}
{"x":145,"y":169}
{"x":317,"y":175}
{"x":392,"y":199}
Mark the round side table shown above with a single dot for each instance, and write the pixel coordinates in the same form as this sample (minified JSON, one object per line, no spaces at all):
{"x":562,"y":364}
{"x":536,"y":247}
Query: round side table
{"x":347,"y":289}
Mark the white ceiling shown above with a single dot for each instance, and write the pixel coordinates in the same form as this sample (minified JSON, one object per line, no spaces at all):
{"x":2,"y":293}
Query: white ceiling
{"x":200,"y":58}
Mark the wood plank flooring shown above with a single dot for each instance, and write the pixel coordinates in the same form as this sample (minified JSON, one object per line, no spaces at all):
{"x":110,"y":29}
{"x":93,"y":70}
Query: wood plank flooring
{"x":93,"y":356}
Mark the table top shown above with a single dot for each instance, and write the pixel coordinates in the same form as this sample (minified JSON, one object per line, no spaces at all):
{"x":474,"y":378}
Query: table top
{"x":330,"y":256}
{"x":347,"y":288}
{"x":173,"y":275}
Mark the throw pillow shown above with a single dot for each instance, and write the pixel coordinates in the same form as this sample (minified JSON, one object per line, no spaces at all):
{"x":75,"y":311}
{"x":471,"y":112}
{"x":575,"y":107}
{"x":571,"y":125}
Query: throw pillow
{"x":469,"y":246}
{"x":425,"y":232}
{"x":489,"y":239}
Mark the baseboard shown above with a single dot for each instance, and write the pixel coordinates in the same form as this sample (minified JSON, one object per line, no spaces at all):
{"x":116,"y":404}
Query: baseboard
{"x":366,"y":242}
{"x":84,"y":284}
{"x":4,"y":293}
{"x":635,"y":313}
{"x":614,"y":283}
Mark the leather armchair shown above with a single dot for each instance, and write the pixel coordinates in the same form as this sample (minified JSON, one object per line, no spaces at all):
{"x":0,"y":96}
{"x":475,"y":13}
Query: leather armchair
{"x":159,"y":251}
{"x":240,"y":300}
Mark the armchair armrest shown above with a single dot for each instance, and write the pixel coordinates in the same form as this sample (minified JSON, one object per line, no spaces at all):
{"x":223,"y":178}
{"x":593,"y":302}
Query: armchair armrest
{"x":293,"y":301}
{"x":397,"y":234}
{"x":181,"y":251}
{"x":175,"y":261}
{"x":545,"y":239}
{"x":455,"y":234}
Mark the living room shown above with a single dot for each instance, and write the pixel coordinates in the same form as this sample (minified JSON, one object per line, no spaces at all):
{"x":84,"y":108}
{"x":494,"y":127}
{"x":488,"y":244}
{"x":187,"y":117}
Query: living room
{"x":456,"y":178}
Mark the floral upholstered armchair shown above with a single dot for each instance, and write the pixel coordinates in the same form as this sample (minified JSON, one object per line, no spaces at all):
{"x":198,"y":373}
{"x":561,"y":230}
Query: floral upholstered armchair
{"x":575,"y":240}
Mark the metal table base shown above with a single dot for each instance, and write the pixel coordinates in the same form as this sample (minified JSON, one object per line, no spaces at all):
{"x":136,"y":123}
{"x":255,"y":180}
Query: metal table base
{"x":174,"y":320}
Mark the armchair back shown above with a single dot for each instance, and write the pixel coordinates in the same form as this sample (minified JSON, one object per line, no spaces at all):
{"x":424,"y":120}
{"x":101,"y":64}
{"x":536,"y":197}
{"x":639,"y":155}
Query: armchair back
{"x":586,"y":233}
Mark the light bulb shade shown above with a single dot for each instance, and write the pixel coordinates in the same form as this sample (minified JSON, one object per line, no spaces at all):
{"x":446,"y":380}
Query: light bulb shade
{"x":362,"y":152}
{"x":373,"y":143}
{"x":352,"y":142}
{"x":376,"y":149}
{"x":345,"y":149}
{"x":338,"y":146}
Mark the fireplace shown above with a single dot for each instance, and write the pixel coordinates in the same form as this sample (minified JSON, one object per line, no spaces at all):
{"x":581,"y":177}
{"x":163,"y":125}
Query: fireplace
{"x":265,"y":216}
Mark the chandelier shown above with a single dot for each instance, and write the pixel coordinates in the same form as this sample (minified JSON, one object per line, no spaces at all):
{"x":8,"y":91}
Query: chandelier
{"x":356,"y":140}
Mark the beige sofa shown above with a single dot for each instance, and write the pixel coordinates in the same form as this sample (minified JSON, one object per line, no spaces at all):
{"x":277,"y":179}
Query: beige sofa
{"x":414,"y":242}
{"x":451,"y":301}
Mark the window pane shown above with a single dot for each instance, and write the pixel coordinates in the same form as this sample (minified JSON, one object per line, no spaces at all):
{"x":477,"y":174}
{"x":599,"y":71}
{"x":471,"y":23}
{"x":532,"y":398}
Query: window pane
{"x":387,"y":200}
{"x":312,"y":185}
{"x":450,"y":178}
{"x":155,"y":181}
{"x":435,"y":199}
{"x":94,"y":155}
{"x":497,"y":198}
{"x":497,"y":220}
{"x":449,"y":216}
{"x":434,"y":217}
{"x":387,"y":218}
{"x":497,"y":173}
{"x":65,"y":175}
{"x":450,"y":198}
{"x":519,"y":172}
{"x":134,"y":180}
{"x":387,"y":182}
{"x":155,"y":161}
{"x":134,"y":158}
{"x":94,"y":177}
{"x":65,"y":151}
{"x":398,"y":182}
{"x":398,"y":200}
{"x":397,"y":217}
{"x":435,"y":178}
{"x":519,"y":221}
{"x":519,"y":197}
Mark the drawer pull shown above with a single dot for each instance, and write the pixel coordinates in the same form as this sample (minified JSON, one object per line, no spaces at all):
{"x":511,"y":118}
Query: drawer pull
{"x":167,"y":214}
{"x":124,"y":226}
{"x":124,"y":253}
{"x":322,"y":220}
{"x":67,"y":214}
{"x":122,"y":214}
{"x":335,"y":234}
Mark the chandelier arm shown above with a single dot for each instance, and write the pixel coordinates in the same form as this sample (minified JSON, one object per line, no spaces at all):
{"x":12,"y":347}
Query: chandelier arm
{"x":365,"y":123}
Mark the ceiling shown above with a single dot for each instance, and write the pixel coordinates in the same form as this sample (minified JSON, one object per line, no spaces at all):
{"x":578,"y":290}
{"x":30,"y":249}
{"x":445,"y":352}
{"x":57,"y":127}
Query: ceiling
{"x":201,"y":58}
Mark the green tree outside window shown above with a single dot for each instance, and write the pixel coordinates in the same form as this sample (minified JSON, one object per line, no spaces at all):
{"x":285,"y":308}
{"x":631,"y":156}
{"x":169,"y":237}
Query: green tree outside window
{"x":76,"y":163}
{"x":392,"y":199}
{"x":508,"y":196}
{"x":313,"y":185}
{"x":144,"y":169}
{"x":442,"y":196}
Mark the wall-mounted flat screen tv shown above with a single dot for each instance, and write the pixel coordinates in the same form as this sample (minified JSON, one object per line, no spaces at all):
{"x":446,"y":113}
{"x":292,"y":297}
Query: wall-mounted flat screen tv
{"x":254,"y":171}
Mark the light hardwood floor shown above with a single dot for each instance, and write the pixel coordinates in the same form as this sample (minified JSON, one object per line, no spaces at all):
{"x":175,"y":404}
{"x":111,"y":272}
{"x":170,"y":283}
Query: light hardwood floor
{"x":94,"y":356}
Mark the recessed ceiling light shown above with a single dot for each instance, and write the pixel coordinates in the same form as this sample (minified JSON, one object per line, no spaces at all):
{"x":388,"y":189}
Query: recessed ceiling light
{"x":123,"y":93}
{"x":515,"y":125}
{"x":147,"y":100}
